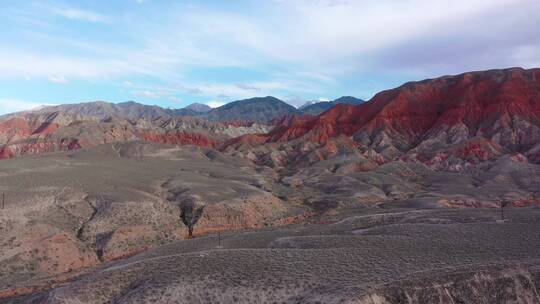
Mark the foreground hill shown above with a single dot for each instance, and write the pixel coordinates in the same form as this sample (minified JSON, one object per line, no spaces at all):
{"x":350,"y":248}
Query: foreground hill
{"x":76,"y":211}
{"x":68,"y":211}
{"x":428,"y":256}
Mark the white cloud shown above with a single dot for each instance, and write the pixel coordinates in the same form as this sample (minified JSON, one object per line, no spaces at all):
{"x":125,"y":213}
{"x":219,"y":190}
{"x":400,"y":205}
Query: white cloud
{"x":58,"y":79}
{"x":147,"y":94}
{"x":244,"y":90}
{"x":79,"y":14}
{"x":299,"y":47}
{"x":217,"y":91}
{"x":328,"y":30}
{"x":325,"y":39}
{"x":33,"y":64}
{"x":15,"y":105}
{"x":529,"y":54}
{"x":176,"y":99}
{"x":329,"y":38}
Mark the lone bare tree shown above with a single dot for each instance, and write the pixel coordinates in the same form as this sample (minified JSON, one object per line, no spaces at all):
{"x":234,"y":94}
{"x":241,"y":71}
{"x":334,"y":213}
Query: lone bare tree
{"x":503,"y":203}
{"x":190,"y":213}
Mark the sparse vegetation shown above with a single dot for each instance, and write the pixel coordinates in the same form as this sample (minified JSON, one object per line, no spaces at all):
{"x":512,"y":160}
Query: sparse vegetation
{"x":397,"y":253}
{"x":191,"y":212}
{"x":149,"y":200}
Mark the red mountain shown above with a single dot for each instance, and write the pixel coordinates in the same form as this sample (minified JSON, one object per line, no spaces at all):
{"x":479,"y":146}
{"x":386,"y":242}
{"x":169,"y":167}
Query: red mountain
{"x":481,"y":112}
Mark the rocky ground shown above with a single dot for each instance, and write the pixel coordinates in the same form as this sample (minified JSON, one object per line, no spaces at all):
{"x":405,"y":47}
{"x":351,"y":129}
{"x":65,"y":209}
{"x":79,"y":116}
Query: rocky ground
{"x":68,"y":211}
{"x":381,"y":256}
{"x":318,"y":234}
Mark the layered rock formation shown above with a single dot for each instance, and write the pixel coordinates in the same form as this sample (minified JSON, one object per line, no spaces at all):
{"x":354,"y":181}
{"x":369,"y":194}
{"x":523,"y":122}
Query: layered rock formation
{"x":460,"y":119}
{"x":34,"y":133}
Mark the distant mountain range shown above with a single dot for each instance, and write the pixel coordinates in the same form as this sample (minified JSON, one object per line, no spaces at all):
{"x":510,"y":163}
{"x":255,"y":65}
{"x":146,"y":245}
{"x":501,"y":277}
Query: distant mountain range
{"x":258,"y":109}
{"x":101,"y":110}
{"x":487,"y":113}
{"x":199,"y":107}
{"x":128,"y":110}
{"x":265,"y":109}
{"x":74,"y":126}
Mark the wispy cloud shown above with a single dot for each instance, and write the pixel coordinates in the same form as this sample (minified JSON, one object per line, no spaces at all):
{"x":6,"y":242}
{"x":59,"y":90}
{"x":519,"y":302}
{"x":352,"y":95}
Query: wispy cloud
{"x":17,"y":63}
{"x":176,"y":99}
{"x":147,"y":94}
{"x":58,"y":79}
{"x":221,"y":91}
{"x":9,"y":105}
{"x":79,"y":14}
{"x":291,"y":48}
{"x":319,"y":40}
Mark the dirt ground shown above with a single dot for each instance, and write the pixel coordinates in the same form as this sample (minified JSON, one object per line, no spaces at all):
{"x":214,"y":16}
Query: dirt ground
{"x":102,"y":225}
{"x":388,"y":256}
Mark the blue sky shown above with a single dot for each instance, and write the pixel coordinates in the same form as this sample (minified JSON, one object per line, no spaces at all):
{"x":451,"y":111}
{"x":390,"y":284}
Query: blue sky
{"x":173,"y":53}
